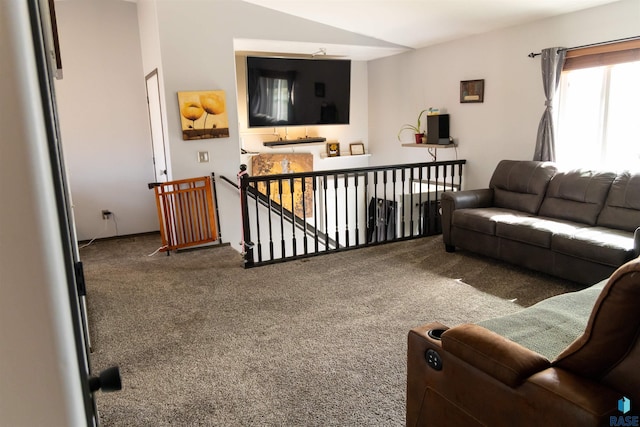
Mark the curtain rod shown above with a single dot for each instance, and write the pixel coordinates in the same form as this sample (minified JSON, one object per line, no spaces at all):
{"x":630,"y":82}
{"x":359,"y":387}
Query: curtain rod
{"x":533,"y":55}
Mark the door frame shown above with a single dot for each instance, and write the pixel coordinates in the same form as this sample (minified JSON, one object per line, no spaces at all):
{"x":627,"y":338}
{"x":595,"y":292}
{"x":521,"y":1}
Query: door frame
{"x":157,"y":139}
{"x":42,"y":17}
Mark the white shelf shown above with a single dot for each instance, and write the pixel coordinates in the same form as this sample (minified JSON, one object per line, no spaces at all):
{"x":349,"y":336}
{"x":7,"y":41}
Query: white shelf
{"x":345,"y":156}
{"x":281,"y":142}
{"x":430,"y":145}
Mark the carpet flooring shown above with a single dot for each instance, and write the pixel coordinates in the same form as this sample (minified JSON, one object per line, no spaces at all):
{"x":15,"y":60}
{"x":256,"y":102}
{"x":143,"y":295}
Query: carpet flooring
{"x":315,"y":342}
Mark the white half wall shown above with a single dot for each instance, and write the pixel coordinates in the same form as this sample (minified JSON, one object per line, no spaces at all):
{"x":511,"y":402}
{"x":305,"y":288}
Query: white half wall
{"x":104,"y":119}
{"x":504,"y":126}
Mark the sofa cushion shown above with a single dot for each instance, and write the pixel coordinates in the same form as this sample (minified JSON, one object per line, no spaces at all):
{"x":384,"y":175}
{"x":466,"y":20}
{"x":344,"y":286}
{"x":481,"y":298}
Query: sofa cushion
{"x":483,"y":220}
{"x":521,"y":185}
{"x":597,"y":244}
{"x":622,"y":207}
{"x":577,"y":195}
{"x":534,"y":230}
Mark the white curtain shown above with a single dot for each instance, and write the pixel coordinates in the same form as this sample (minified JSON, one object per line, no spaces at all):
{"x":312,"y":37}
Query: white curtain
{"x":552,"y":60}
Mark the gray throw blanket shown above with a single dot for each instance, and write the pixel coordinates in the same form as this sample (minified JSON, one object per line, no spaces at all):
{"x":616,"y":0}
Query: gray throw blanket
{"x":549,"y":326}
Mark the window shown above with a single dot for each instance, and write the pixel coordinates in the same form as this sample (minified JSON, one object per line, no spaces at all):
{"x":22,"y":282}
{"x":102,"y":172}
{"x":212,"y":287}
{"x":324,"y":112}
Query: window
{"x":273,"y":96}
{"x":276,"y":98}
{"x":598,"y":114}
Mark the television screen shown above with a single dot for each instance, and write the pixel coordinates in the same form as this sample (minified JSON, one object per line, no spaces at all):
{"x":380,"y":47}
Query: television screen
{"x":297,"y":92}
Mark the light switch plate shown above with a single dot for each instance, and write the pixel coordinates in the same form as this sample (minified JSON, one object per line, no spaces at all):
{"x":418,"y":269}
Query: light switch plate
{"x":203,"y":156}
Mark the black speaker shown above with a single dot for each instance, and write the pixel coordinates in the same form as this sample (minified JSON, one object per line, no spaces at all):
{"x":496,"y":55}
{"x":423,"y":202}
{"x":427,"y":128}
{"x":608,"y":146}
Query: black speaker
{"x":438,"y":129}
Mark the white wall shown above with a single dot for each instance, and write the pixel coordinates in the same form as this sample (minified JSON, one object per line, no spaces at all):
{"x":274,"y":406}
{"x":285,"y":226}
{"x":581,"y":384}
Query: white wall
{"x":505,"y":125}
{"x":197,"y":49}
{"x":104,"y":119}
{"x":192,"y":44}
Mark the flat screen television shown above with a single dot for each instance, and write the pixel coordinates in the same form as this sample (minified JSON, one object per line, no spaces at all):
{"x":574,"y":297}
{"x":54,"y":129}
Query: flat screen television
{"x":297,"y":92}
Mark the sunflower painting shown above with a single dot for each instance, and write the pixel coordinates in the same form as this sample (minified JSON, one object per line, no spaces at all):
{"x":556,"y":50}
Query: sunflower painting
{"x":203,"y":114}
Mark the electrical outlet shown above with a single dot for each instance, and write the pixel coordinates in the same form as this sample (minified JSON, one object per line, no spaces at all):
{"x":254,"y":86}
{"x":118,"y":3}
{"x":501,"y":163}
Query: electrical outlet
{"x":106,"y":214}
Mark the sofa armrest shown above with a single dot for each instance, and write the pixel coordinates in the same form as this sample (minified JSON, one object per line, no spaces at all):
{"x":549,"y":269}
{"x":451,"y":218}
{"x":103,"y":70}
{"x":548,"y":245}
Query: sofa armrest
{"x":480,"y":198}
{"x":636,"y":242}
{"x":495,"y":355}
{"x":452,"y":200}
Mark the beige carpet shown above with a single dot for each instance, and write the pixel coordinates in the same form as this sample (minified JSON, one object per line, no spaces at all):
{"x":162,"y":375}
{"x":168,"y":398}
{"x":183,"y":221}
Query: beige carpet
{"x":315,"y":342}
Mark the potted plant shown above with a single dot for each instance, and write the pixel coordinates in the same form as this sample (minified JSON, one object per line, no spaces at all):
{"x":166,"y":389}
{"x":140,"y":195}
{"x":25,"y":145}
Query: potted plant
{"x":417,"y":129}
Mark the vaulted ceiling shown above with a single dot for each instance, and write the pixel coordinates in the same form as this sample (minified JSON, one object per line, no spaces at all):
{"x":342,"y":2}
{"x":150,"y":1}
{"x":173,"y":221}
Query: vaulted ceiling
{"x":418,"y":23}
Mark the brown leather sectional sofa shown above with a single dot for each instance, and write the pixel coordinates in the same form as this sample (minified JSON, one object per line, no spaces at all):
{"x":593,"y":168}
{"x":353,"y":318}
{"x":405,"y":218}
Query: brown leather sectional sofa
{"x":470,"y":375}
{"x":577,"y":224}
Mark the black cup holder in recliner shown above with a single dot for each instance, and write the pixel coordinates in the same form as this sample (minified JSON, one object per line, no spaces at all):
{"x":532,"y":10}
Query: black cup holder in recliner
{"x":436,"y":334}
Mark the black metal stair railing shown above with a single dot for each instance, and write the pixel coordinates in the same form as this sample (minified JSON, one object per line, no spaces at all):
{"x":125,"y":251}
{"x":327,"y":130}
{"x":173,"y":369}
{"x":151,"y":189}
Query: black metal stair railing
{"x":291,"y":216}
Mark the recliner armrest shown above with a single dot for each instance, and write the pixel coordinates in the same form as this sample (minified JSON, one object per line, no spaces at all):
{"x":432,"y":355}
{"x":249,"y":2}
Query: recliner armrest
{"x":559,"y":391}
{"x":636,"y":242}
{"x":480,"y":198}
{"x":493,"y":354}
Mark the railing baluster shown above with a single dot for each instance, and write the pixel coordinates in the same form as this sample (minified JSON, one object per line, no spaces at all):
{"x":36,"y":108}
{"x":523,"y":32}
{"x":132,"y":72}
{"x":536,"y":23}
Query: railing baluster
{"x":335,"y":200}
{"x":385,"y":205}
{"x":346,"y":209}
{"x":375,"y":207}
{"x":282,"y":243}
{"x":402,"y":218}
{"x":411,"y":186}
{"x":367,"y":208}
{"x":258,"y":235}
{"x":441,"y":185}
{"x":315,"y":213}
{"x":355,"y":197}
{"x":326,"y":214}
{"x":304,"y":214}
{"x":395,"y":205}
{"x":420,"y":207}
{"x":294,"y":243}
{"x":269,"y":210}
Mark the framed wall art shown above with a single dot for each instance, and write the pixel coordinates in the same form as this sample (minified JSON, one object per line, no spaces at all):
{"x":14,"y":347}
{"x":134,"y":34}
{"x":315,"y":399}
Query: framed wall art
{"x":356,"y":148}
{"x":203,"y":114}
{"x":472,"y":91}
{"x":333,"y":149}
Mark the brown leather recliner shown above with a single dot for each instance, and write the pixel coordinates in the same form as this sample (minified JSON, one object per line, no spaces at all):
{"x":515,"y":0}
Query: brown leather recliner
{"x":469,"y":376}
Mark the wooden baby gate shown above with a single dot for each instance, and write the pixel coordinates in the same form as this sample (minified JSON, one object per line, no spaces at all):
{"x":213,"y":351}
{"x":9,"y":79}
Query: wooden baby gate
{"x":187,"y":212}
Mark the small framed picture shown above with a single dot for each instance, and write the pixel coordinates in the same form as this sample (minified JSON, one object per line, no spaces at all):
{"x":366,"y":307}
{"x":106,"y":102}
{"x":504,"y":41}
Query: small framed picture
{"x":356,"y":148}
{"x":333,"y":149}
{"x":472,"y":91}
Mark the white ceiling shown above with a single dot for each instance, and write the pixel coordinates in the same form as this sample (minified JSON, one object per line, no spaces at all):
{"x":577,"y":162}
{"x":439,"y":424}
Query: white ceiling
{"x":414,"y":23}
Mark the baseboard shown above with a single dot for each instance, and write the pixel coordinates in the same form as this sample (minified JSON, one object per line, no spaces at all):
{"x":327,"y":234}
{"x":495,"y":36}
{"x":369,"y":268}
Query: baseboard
{"x":120,"y":236}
